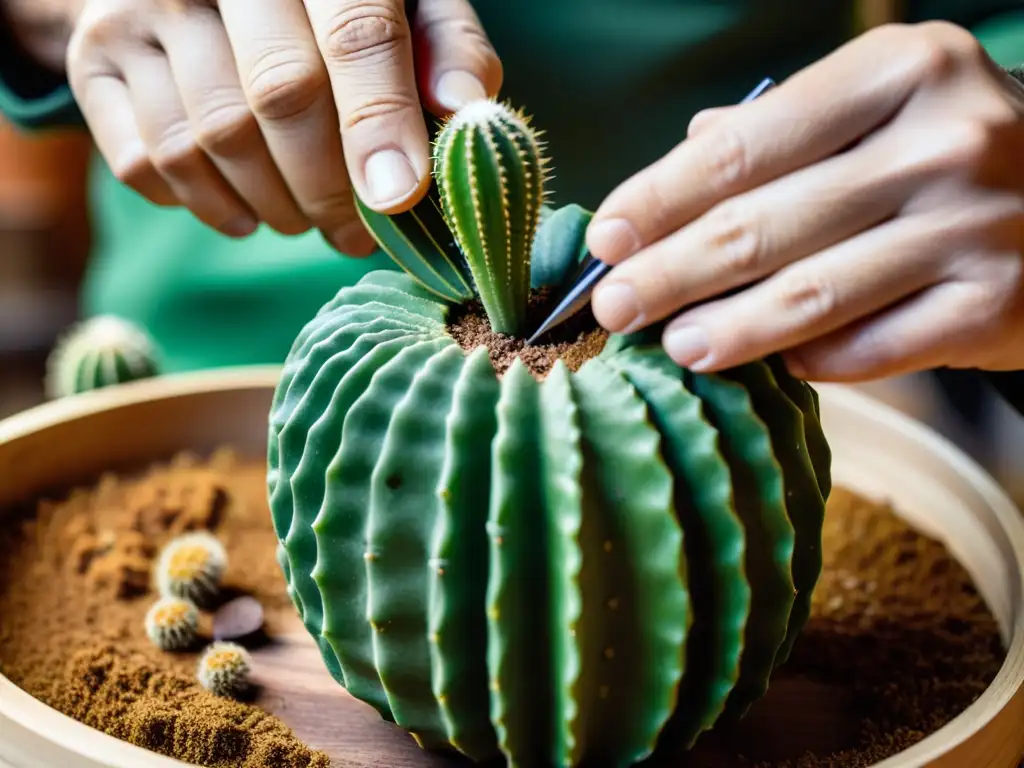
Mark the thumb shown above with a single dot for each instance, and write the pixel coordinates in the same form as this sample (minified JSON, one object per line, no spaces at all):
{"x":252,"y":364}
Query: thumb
{"x":455,"y":61}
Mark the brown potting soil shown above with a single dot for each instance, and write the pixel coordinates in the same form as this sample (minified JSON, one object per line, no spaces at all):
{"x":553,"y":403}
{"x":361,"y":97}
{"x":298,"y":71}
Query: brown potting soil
{"x":74,"y":589}
{"x":896,"y":624}
{"x":574,"y":342}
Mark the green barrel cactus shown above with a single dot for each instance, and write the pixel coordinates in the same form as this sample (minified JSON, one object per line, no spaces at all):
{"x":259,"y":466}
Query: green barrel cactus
{"x":100,"y":352}
{"x":586,"y":566}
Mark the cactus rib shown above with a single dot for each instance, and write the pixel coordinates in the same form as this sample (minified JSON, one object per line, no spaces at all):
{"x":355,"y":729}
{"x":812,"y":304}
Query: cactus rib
{"x":403,"y":511}
{"x":458,"y":578}
{"x":518,"y":584}
{"x":340,"y":524}
{"x":760,"y":502}
{"x":633,"y":629}
{"x":714,"y":540}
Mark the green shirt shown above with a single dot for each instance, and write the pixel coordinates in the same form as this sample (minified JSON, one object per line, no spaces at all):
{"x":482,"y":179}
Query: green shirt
{"x":612,"y":82}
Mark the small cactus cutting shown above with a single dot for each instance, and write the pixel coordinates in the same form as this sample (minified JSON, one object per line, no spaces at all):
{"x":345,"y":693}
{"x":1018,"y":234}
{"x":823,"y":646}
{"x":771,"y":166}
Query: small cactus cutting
{"x":172,"y":624}
{"x":100,"y":352}
{"x":191,"y":567}
{"x":224,"y":669}
{"x":584,"y":566}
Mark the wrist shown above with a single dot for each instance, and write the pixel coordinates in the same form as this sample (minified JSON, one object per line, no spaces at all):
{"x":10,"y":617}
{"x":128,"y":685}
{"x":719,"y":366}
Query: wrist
{"x":40,"y":28}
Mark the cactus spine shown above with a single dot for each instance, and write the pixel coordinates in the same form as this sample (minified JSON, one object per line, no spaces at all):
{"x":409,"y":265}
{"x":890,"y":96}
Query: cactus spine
{"x":491,"y":172}
{"x":224,"y":669}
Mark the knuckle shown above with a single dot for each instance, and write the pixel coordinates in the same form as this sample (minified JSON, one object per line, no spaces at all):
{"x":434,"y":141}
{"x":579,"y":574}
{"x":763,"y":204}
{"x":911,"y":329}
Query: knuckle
{"x":660,"y":281}
{"x":967,"y":146}
{"x":376,"y":108}
{"x":651,"y":207}
{"x":736,"y":238}
{"x":940,"y":48}
{"x":364,"y":31}
{"x":100,"y":28}
{"x":954,"y":38}
{"x":810,"y":297}
{"x":283,"y":84}
{"x":725,"y":157}
{"x":932,"y":60}
{"x":982,"y":305}
{"x":133,"y":169}
{"x":333,"y":211}
{"x":224,"y":128}
{"x":176,"y":155}
{"x":472,"y":43}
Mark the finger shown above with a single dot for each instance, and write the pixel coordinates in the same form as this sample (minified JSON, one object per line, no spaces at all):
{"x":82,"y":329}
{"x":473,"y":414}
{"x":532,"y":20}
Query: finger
{"x":368,"y":51}
{"x":287,"y":89}
{"x":756,"y":233}
{"x":107,"y":110}
{"x":456,"y":62}
{"x":928,"y":330}
{"x":165,"y":130}
{"x":813,"y":297}
{"x":812,"y":115}
{"x":704,"y":119}
{"x":222,"y":123}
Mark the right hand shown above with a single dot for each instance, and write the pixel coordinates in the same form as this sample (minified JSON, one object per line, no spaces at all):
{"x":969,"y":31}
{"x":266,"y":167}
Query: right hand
{"x":275,"y":111}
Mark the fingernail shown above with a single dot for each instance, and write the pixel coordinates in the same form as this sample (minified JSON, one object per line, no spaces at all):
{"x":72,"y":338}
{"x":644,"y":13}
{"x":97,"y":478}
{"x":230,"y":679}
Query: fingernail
{"x":616,"y":307}
{"x":389,"y":176}
{"x":456,"y":88}
{"x":243,"y":226}
{"x":687,"y":345}
{"x":613,"y":240}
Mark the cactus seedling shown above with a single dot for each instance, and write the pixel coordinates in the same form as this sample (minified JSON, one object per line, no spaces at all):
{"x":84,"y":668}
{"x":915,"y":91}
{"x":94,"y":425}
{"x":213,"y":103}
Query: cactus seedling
{"x":172,"y":623}
{"x":224,"y":669}
{"x":100,"y":352}
{"x":491,"y":173}
{"x":191,"y":567}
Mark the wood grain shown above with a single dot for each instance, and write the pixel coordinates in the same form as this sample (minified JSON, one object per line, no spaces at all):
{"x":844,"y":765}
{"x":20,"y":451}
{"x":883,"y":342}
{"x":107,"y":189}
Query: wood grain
{"x":797,"y":715}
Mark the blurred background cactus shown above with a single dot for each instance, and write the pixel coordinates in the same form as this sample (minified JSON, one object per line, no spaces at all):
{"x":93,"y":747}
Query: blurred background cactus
{"x":99,"y":352}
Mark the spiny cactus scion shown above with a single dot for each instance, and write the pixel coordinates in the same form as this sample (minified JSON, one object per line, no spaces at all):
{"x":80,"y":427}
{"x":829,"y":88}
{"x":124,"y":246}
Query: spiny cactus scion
{"x":191,"y":567}
{"x":491,"y":172}
{"x":224,"y":669}
{"x":99,"y":352}
{"x":172,"y":624}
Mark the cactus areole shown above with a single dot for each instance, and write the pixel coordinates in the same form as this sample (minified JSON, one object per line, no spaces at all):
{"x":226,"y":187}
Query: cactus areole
{"x":586,"y":565}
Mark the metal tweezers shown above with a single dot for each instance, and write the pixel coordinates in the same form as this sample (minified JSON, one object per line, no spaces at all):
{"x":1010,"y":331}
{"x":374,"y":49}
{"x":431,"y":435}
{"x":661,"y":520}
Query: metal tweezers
{"x":590,"y":271}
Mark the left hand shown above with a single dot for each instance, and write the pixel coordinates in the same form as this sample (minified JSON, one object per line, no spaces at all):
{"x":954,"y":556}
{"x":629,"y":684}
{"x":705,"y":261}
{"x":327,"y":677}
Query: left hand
{"x":868,"y":214}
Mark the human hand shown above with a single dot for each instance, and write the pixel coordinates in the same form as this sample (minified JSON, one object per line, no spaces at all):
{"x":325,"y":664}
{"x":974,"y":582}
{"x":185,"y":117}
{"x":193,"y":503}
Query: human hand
{"x":866,"y":218}
{"x":233,"y":108}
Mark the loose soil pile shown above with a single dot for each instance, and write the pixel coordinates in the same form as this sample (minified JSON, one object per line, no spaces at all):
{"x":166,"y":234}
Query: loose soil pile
{"x":573,"y":342}
{"x":896,"y":625}
{"x":75,"y":584}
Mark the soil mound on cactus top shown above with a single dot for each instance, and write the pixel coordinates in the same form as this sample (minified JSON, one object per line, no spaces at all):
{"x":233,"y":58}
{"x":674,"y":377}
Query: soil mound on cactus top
{"x":574,"y":342}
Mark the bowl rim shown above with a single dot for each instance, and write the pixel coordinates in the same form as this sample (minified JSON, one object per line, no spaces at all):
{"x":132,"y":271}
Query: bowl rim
{"x":41,"y":721}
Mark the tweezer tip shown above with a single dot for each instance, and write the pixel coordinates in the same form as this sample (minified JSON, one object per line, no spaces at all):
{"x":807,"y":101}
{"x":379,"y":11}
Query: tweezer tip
{"x":546,"y":326}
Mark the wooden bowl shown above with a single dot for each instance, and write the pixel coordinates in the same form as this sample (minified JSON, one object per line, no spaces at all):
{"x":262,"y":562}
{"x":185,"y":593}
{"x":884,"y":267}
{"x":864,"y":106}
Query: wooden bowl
{"x":878,"y":452}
